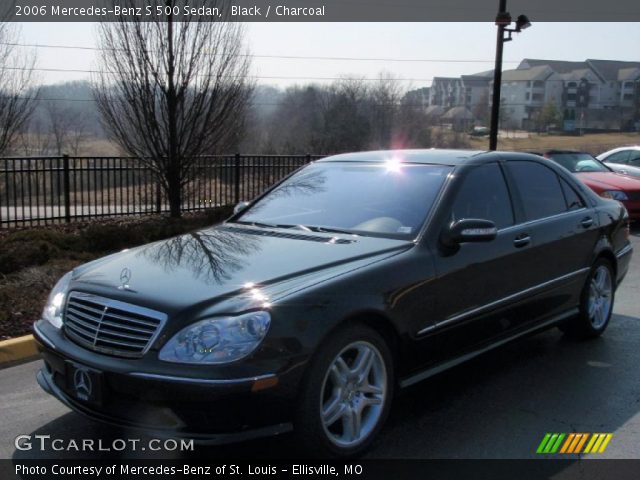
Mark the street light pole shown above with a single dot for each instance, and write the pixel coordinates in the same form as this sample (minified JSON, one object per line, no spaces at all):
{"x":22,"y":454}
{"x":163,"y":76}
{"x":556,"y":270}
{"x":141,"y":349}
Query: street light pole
{"x":497,"y":76}
{"x":503,"y":20}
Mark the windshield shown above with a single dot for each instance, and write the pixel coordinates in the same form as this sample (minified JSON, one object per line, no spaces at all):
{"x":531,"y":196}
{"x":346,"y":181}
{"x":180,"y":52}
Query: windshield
{"x":387,"y":199}
{"x":579,"y":162}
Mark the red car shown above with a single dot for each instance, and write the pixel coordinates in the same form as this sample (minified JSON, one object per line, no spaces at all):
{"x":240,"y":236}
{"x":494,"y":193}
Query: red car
{"x":601,"y":179}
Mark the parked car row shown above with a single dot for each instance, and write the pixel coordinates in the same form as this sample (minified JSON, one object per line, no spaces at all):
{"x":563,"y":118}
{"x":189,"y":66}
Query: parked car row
{"x":614,"y":174}
{"x":625,"y":160}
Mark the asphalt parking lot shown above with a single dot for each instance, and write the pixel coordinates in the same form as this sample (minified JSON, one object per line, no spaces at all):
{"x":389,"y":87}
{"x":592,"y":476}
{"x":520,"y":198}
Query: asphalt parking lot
{"x":497,"y":406}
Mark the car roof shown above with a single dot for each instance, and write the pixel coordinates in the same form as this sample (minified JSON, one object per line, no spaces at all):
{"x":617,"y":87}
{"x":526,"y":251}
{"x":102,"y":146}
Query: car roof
{"x":427,"y":156}
{"x":557,"y":151}
{"x":621,"y":149}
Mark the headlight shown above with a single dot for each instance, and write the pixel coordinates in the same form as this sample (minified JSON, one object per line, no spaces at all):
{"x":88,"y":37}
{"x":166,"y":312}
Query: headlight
{"x":217,"y":340}
{"x":615,"y":195}
{"x":52,"y":312}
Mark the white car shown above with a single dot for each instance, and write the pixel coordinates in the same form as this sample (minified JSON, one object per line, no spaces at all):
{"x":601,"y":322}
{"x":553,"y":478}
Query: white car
{"x":624,"y":160}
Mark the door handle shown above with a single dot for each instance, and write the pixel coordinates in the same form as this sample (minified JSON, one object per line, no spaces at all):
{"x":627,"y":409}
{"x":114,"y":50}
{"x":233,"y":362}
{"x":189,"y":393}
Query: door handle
{"x":586,"y":222}
{"x":522,"y":240}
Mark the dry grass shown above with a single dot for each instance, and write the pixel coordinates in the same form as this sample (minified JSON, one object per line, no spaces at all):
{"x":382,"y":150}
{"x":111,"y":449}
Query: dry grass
{"x":594,"y":143}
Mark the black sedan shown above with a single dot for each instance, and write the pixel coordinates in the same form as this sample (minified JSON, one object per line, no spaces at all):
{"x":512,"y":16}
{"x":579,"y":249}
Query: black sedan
{"x":357,"y":275}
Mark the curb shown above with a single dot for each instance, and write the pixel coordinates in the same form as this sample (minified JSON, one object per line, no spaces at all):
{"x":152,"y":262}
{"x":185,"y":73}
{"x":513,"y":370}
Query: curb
{"x":17,"y":349}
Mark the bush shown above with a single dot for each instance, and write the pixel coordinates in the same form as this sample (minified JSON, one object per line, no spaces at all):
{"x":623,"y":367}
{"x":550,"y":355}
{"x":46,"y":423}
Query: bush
{"x":18,"y":255}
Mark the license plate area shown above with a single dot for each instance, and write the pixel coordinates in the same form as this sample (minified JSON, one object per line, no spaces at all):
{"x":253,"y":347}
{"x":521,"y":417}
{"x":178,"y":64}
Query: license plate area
{"x":84,"y":383}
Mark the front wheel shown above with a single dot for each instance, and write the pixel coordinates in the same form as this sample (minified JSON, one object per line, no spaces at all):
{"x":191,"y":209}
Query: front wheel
{"x":347,"y":394}
{"x":596,"y":302}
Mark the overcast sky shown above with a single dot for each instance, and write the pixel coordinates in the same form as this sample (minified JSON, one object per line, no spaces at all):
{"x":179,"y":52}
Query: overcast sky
{"x":468,"y":47}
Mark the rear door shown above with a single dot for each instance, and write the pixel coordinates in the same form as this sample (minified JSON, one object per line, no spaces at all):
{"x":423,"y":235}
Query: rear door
{"x":562,"y":233}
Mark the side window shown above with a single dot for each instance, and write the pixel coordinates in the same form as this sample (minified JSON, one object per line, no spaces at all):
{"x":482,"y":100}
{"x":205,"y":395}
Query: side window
{"x":634,"y":158}
{"x":539,"y":188}
{"x":574,"y":202}
{"x":618,"y":157}
{"x":484,"y":195}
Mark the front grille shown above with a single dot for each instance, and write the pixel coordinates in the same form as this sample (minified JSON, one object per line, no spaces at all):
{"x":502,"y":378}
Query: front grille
{"x":109,"y":326}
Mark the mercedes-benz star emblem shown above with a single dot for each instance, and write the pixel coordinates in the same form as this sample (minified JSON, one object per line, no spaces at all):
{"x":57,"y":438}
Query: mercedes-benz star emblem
{"x":82,"y":384}
{"x":125,"y":278}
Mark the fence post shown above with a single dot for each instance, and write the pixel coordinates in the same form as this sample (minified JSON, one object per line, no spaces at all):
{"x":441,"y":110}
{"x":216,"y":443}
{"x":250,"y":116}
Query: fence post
{"x":308,"y":158}
{"x":158,"y":197}
{"x":236,"y":170}
{"x":66,"y":188}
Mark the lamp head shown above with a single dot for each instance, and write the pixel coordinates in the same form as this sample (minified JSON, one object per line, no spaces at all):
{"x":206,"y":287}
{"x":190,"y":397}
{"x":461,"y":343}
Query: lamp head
{"x":522,"y":23}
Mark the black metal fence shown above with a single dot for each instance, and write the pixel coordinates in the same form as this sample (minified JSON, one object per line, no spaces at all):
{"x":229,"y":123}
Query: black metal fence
{"x":43,"y":190}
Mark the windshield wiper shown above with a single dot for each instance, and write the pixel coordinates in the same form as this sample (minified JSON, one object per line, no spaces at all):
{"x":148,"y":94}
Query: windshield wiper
{"x":257,"y":224}
{"x":315,"y":228}
{"x":272,"y":225}
{"x":308,"y":228}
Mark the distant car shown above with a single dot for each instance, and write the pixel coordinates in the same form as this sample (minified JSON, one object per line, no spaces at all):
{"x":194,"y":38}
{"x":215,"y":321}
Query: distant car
{"x":623,"y":160}
{"x":601,"y":178}
{"x":479,"y":132}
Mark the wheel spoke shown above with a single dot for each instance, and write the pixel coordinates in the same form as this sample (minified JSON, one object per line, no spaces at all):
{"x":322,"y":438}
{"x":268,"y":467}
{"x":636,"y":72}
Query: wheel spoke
{"x":366,"y":387}
{"x":370,"y":401}
{"x":351,"y":424}
{"x":363,"y":364}
{"x":333,"y":411}
{"x":337,"y":376}
{"x":341,"y":370}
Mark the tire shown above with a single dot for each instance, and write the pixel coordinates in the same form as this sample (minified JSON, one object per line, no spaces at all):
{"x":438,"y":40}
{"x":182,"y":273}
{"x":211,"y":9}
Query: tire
{"x":596,"y":303}
{"x":347,"y":393}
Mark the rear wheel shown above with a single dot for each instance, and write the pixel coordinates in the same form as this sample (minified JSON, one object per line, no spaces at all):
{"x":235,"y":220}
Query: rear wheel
{"x":596,"y":302}
{"x":347,"y":394}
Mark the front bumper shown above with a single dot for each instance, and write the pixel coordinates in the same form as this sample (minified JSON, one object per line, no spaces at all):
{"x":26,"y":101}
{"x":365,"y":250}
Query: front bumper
{"x":206,"y":409}
{"x":633,"y":208}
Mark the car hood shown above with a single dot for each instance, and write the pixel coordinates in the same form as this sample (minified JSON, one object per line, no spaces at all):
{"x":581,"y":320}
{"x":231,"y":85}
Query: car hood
{"x":206,"y":267}
{"x":610,"y":180}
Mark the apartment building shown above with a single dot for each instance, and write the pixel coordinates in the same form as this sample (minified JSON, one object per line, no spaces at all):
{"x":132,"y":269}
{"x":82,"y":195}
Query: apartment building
{"x":589,"y":95}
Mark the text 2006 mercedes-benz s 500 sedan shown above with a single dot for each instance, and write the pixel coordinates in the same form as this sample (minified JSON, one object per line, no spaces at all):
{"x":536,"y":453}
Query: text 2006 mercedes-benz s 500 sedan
{"x":357,"y":275}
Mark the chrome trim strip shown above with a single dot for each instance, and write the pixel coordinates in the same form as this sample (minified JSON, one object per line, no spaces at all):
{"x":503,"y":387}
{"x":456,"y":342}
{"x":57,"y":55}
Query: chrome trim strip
{"x":43,"y":337}
{"x":500,"y":301}
{"x":203,"y":381}
{"x":543,"y":219}
{"x":625,"y":251}
{"x":456,"y":361}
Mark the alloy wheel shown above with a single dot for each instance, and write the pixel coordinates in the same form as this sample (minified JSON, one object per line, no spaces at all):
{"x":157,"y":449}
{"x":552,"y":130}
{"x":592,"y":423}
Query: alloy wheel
{"x":353,"y":394}
{"x":600,"y":291}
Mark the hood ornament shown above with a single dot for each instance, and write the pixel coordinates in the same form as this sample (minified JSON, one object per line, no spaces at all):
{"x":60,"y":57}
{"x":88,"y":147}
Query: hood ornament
{"x":125,"y":278}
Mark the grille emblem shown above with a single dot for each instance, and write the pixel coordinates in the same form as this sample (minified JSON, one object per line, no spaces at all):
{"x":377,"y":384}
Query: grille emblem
{"x":82,"y":384}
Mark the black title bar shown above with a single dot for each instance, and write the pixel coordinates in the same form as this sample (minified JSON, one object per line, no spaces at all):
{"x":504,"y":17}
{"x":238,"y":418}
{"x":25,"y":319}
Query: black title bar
{"x":322,"y":10}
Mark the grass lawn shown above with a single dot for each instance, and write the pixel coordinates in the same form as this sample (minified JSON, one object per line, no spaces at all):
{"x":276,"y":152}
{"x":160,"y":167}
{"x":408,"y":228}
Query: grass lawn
{"x":594,"y":143}
{"x":32,"y":260}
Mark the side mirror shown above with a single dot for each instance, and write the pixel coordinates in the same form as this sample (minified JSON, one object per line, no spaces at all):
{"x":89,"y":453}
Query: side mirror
{"x":469,"y":230}
{"x":240,"y":207}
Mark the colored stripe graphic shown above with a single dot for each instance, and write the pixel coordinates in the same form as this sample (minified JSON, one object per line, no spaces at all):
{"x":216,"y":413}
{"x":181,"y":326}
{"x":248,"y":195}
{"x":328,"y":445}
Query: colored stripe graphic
{"x":573,"y":443}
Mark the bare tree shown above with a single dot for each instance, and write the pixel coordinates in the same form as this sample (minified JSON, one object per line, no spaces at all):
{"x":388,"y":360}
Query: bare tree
{"x":16,"y":81}
{"x":385,"y":96}
{"x":173,"y":90}
{"x":34,"y":138}
{"x":68,"y":126}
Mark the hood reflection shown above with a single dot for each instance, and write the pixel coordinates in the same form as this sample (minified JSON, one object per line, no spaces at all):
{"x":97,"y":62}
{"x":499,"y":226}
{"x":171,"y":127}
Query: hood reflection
{"x":212,"y":256}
